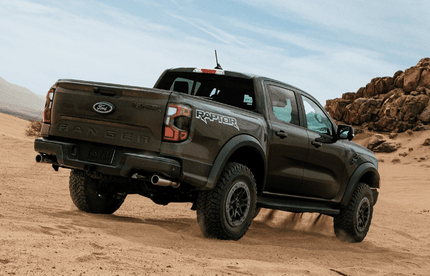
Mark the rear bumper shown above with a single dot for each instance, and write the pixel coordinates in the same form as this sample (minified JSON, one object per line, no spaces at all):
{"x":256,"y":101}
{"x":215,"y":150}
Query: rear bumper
{"x":124,"y":164}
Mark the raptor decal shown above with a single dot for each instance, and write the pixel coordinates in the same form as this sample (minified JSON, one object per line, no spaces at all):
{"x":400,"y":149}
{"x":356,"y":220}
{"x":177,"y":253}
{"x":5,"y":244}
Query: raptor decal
{"x":213,"y":117}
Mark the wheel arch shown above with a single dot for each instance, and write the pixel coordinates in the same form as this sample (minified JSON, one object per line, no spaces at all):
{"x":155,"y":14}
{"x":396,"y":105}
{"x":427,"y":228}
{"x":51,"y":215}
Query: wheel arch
{"x":367,"y":174}
{"x":243,"y":149}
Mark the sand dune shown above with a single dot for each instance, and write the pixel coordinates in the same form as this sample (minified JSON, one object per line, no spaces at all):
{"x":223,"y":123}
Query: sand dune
{"x":42,"y":233}
{"x":20,"y":101}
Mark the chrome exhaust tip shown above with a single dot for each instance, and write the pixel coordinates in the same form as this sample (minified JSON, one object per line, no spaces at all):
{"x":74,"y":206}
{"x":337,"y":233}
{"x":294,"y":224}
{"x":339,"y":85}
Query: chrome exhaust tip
{"x":45,"y":159}
{"x":156,"y":180}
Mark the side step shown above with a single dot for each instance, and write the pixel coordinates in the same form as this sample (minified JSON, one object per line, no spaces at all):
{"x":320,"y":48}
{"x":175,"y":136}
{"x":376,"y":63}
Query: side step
{"x":296,"y":205}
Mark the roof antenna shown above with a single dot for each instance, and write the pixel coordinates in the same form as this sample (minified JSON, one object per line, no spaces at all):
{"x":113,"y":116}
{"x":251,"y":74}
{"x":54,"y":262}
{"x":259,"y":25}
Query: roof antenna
{"x":218,"y":66}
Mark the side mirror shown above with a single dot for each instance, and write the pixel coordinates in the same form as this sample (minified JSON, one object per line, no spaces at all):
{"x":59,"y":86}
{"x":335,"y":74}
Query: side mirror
{"x":345,"y":132}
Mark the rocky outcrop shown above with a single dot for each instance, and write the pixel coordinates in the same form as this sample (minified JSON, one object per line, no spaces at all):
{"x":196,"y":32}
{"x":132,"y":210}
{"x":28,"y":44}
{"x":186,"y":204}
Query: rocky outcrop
{"x":379,"y":144}
{"x":392,"y":104}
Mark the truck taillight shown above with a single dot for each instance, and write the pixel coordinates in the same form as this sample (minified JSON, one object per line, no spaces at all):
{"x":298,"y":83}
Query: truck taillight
{"x":48,"y":106}
{"x":177,"y":123}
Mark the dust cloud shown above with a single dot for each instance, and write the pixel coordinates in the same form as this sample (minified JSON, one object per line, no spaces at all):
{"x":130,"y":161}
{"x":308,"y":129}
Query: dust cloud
{"x":305,"y":222}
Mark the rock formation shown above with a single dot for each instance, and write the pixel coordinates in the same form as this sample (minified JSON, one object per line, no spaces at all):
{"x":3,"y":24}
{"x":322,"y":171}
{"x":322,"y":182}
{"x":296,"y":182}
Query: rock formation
{"x":391,"y":104}
{"x":379,"y":144}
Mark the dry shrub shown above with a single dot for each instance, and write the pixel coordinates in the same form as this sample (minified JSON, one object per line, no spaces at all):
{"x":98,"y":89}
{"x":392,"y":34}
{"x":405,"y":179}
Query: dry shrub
{"x":34,"y":129}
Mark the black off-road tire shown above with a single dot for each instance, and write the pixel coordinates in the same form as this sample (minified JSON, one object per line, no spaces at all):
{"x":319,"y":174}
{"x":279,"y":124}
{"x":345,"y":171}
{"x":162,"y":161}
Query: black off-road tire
{"x":226,"y":212}
{"x":84,"y":194}
{"x":353,"y":222}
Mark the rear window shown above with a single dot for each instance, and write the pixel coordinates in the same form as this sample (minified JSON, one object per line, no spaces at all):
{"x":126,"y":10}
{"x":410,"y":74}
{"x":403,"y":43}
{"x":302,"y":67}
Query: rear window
{"x":238,"y":92}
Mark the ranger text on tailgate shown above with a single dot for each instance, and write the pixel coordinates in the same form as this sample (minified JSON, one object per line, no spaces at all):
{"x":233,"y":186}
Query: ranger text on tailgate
{"x":228,"y":142}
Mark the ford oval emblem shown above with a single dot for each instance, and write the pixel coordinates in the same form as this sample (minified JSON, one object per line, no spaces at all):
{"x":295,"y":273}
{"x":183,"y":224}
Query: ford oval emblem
{"x":104,"y":107}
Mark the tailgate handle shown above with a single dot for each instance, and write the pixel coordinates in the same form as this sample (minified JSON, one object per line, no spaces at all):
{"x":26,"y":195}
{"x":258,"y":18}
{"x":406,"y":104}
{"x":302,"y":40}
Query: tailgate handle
{"x":104,"y":91}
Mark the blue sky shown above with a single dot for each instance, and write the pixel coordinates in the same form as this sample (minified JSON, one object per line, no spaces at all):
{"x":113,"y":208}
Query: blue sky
{"x":323,"y":47}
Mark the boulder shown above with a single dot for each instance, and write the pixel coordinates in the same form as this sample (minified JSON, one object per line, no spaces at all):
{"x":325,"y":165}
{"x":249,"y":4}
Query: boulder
{"x":389,"y":81}
{"x":386,"y":147}
{"x":392,"y":135}
{"x":411,"y":79}
{"x":421,"y":90}
{"x":381,"y":86}
{"x":351,"y":113}
{"x":425,"y":115}
{"x":379,"y":144}
{"x":349,"y":96}
{"x":424,"y":62}
{"x":425,"y":78}
{"x":398,"y":81}
{"x":351,"y":116}
{"x":369,"y":91}
{"x":403,"y":126}
{"x":360,"y":92}
{"x":413,"y":106}
{"x":339,"y":109}
{"x":393,"y":94}
{"x":366,"y":110}
{"x":375,"y":142}
{"x":420,"y":127}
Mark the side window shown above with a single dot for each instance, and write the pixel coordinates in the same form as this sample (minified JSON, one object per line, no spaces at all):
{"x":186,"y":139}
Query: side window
{"x":284,"y":105}
{"x":182,"y":85}
{"x":237,"y":92}
{"x":316,"y":118}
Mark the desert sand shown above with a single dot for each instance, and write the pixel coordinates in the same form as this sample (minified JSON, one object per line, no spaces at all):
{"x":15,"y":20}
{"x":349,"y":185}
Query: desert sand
{"x":43,"y":233}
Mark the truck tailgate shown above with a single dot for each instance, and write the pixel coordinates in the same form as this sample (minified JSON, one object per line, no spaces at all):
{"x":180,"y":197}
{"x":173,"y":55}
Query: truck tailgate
{"x":109,"y":114}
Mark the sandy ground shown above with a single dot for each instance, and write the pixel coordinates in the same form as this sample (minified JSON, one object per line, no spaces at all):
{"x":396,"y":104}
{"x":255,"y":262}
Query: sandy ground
{"x":42,"y":232}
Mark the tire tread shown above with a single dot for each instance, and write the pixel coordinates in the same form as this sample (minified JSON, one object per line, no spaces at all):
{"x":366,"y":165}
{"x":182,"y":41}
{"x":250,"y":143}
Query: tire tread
{"x":344,"y":226}
{"x":209,"y":204}
{"x":83,"y":192}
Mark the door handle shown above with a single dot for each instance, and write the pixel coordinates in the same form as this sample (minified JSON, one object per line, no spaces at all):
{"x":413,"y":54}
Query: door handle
{"x":281,"y":134}
{"x":316,"y":144}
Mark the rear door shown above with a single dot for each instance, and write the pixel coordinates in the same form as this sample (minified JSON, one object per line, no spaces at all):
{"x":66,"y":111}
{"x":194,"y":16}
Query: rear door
{"x":288,"y":142}
{"x":109,"y":114}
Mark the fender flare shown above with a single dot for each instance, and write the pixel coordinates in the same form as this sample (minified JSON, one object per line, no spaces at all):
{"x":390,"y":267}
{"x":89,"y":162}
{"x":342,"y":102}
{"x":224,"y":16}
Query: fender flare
{"x":227,"y":151}
{"x":355,"y":179}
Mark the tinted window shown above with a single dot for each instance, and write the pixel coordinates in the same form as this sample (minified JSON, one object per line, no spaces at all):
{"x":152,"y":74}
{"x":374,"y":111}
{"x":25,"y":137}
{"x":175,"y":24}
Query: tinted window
{"x":284,"y":105}
{"x":316,"y":119}
{"x":233,"y":91}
